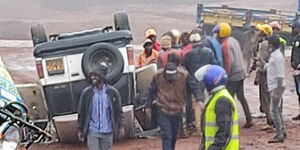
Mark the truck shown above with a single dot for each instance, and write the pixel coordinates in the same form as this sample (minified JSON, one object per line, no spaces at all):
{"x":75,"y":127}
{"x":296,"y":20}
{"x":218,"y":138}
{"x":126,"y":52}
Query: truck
{"x":240,"y":19}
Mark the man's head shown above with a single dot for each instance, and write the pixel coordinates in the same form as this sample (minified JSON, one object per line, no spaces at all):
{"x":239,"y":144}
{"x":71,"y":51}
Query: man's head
{"x":148,"y":46}
{"x":166,"y":42}
{"x":222,"y":30}
{"x":213,"y":76}
{"x":265,"y":30}
{"x":295,"y":27}
{"x":184,"y":39}
{"x":274,"y":42}
{"x":195,"y":38}
{"x":173,"y":58}
{"x":252,"y":27}
{"x":98,"y":74}
{"x":276,"y":27}
{"x":151,"y":34}
{"x":170,"y":72}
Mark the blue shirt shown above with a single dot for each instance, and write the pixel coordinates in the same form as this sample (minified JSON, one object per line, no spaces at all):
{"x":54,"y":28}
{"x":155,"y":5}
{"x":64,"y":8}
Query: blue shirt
{"x":101,"y":120}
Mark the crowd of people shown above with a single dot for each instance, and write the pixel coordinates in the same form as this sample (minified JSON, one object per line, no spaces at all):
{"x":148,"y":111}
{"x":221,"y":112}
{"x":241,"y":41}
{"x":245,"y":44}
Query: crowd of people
{"x":190,"y":62}
{"x":202,"y":69}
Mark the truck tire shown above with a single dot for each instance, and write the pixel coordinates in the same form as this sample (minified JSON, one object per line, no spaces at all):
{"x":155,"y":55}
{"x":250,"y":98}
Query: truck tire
{"x":104,"y":52}
{"x":121,"y":21}
{"x":38,"y":34}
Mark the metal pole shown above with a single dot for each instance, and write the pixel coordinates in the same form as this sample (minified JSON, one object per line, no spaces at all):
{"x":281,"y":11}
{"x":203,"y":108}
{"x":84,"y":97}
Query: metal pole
{"x":298,"y":10}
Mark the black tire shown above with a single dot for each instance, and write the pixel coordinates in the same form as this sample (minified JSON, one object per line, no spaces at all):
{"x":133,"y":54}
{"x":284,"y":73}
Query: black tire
{"x":121,"y":21}
{"x":38,"y":34}
{"x":104,"y":52}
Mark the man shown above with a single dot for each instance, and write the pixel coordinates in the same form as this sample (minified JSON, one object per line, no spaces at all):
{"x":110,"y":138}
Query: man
{"x":265,"y":31}
{"x":166,"y":44}
{"x":249,"y":47}
{"x":148,"y":56}
{"x":194,"y":59}
{"x":276,"y":86}
{"x":276,"y":30}
{"x":295,"y":59}
{"x":169,"y":89}
{"x":151,"y":34}
{"x":233,"y":65}
{"x":99,"y":112}
{"x":220,"y":118}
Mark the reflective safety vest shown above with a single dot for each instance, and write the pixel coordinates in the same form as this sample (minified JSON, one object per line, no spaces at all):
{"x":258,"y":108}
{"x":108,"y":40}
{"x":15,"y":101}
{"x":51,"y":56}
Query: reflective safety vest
{"x":211,"y":127}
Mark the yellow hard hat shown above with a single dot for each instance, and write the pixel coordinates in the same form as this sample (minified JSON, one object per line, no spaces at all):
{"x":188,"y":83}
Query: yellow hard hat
{"x":266,"y":28}
{"x":223,"y":30}
{"x":149,"y":32}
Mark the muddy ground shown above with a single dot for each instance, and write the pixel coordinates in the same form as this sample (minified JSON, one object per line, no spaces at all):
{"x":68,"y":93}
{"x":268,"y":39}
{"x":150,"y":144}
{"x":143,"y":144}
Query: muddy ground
{"x":20,"y":64}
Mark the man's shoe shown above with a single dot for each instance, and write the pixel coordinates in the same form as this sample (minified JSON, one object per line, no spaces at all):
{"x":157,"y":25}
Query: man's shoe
{"x":248,"y":125}
{"x":277,"y":139}
{"x":297,"y":117}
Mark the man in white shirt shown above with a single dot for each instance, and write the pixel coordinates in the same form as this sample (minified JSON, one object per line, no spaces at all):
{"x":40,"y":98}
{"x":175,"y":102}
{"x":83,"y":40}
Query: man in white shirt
{"x":276,"y":86}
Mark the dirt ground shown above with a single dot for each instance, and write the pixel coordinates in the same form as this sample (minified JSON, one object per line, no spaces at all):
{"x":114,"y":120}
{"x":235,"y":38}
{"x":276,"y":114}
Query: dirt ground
{"x":20,"y":64}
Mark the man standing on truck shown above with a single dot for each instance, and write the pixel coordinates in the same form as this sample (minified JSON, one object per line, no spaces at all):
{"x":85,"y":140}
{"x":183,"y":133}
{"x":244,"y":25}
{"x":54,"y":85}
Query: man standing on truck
{"x":233,"y":65}
{"x":148,"y":56}
{"x":220,"y":127}
{"x":151,"y":34}
{"x":295,"y":58}
{"x":169,"y":90}
{"x":265,"y":31}
{"x":99,"y":112}
{"x":249,"y":47}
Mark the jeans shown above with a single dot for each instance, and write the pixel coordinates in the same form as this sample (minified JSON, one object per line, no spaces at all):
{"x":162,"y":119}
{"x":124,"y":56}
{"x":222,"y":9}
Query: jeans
{"x":237,"y":87}
{"x":99,"y":141}
{"x":169,"y":126}
{"x":276,"y":110}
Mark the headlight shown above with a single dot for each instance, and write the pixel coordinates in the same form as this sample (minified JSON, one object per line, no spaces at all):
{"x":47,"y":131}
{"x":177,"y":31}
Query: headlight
{"x":12,"y":137}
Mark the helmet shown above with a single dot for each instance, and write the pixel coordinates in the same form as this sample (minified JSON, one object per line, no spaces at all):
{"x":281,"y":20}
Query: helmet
{"x":150,"y":32}
{"x":266,"y":28}
{"x":212,"y":76}
{"x":222,"y":29}
{"x":195,"y":37}
{"x":275,"y":25}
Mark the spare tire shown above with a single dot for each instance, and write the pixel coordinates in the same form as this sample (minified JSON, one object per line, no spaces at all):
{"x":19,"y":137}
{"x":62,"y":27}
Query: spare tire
{"x":104,"y":52}
{"x":38,"y":34}
{"x":121,"y":21}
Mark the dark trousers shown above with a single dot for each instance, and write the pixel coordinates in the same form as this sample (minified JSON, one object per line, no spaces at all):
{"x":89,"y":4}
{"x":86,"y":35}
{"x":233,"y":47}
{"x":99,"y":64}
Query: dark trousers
{"x":237,"y":88}
{"x":297,"y":83}
{"x":264,"y":96}
{"x":169,"y":126}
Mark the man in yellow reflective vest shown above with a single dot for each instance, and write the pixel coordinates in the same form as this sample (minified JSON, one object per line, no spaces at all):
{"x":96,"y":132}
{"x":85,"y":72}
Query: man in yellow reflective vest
{"x":220,"y":129}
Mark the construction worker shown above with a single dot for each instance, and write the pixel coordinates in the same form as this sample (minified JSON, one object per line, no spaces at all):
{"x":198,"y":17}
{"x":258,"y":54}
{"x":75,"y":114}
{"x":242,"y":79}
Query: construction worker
{"x":150,"y":33}
{"x":265,"y":30}
{"x":295,"y":58}
{"x":276,"y":30}
{"x":233,"y":65}
{"x":148,"y":56}
{"x":249,"y":47}
{"x":220,"y":118}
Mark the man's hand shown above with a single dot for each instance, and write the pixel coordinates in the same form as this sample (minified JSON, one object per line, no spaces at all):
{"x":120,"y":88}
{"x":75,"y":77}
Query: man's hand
{"x":201,"y":105}
{"x":80,"y":136}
